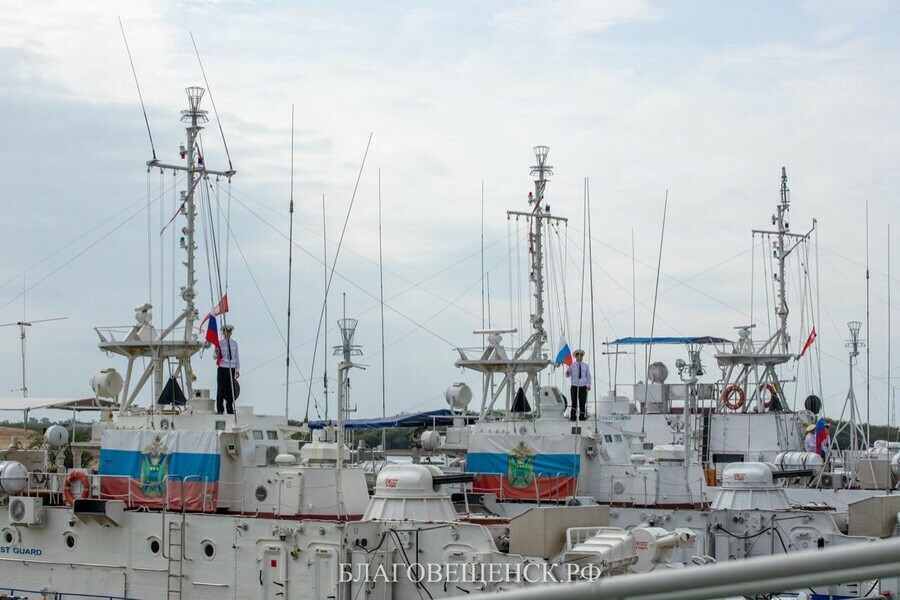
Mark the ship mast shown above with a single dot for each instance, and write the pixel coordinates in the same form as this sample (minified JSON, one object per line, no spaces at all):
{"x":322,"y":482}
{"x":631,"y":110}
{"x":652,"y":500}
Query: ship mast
{"x":144,"y":340}
{"x":542,"y":170}
{"x":781,"y":311}
{"x":740,"y":367}
{"x":194,"y":115}
{"x":529,"y":358}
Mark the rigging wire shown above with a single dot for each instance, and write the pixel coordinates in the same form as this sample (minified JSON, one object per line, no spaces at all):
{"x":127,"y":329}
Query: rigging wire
{"x":765,"y":262}
{"x":162,"y":250}
{"x":228,"y":237}
{"x":213,"y":102}
{"x":381,"y":302}
{"x":482,"y":262}
{"x":752,"y":276}
{"x":649,"y":352}
{"x":509,"y":263}
{"x":398,"y":294}
{"x":79,"y":253}
{"x":334,"y":263}
{"x":633,"y":304}
{"x":175,"y":186}
{"x":518,"y":250}
{"x":325,"y":301}
{"x":587,"y":183}
{"x":584,"y":243}
{"x":413,"y":285}
{"x":818,"y":315}
{"x":149,"y":242}
{"x":265,"y":303}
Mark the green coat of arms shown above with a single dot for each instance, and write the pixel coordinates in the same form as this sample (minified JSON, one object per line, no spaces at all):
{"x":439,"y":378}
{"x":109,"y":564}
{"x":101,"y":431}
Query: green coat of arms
{"x":154,"y":468}
{"x":521,"y":466}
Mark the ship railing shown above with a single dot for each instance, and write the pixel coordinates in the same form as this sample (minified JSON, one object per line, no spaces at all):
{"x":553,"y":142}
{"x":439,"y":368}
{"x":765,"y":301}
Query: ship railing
{"x":41,"y":483}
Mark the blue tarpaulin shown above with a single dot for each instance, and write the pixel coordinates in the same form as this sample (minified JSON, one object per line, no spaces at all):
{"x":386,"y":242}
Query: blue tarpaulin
{"x":637,"y":341}
{"x":421,"y":419}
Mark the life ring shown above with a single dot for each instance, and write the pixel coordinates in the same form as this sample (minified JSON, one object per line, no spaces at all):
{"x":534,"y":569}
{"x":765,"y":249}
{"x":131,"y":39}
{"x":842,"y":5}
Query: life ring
{"x":729,"y":392}
{"x":771,"y":390}
{"x":85,"y":486}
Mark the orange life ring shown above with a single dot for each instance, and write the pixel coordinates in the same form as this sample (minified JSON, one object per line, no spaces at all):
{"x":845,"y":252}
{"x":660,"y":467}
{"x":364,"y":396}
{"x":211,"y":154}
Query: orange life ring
{"x":727,"y":397}
{"x":767,"y":386}
{"x":85,"y":486}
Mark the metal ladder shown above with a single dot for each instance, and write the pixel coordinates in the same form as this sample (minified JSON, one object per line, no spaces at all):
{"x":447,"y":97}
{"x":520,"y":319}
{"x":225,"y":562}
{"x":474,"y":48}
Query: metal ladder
{"x":175,"y":555}
{"x":175,"y":543}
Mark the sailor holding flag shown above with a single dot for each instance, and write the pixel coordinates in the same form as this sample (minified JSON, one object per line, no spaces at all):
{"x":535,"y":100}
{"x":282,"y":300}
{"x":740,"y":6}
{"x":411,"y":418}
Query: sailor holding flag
{"x":580,"y":374}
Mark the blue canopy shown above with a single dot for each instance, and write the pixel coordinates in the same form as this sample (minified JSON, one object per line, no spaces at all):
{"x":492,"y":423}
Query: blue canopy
{"x":637,"y":341}
{"x":420,"y":419}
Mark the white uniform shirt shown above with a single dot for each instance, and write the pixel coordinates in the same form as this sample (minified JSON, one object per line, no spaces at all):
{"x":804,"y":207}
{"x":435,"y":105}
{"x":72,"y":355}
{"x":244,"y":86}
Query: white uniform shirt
{"x":580,"y":373}
{"x":228,"y":350}
{"x":809,"y":444}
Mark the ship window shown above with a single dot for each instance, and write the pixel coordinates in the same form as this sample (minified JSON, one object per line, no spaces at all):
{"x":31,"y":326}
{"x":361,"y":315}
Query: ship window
{"x":261,"y":493}
{"x":70,"y":540}
{"x":220,"y":425}
{"x":257,"y":435}
{"x":8,"y":536}
{"x":617,"y":437}
{"x":272,"y":435}
{"x":608,"y":439}
{"x":154,"y":546}
{"x":209,"y":549}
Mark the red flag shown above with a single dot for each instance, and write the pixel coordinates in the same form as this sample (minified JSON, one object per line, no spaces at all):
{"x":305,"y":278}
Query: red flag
{"x":809,"y":341}
{"x":218,"y":309}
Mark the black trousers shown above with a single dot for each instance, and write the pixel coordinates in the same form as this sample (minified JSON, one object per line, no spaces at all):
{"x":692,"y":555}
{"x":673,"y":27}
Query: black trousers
{"x":579,"y":401}
{"x":225,"y":390}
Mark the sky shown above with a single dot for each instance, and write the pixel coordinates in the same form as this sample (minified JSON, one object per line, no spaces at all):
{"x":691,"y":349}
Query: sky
{"x":692,"y":106}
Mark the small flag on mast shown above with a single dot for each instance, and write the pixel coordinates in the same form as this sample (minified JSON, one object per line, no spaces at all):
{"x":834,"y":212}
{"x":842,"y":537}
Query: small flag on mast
{"x":809,"y":342}
{"x":219,"y":309}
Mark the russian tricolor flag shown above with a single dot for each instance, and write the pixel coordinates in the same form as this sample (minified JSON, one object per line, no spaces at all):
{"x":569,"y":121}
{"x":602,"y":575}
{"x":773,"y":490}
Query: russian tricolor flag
{"x":212,"y":331}
{"x":212,"y":336}
{"x":564,"y":355}
{"x":821,"y":434}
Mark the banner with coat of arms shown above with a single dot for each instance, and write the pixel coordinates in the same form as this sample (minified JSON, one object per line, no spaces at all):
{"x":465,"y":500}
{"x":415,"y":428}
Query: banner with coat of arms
{"x":544,"y":467}
{"x":161,"y":468}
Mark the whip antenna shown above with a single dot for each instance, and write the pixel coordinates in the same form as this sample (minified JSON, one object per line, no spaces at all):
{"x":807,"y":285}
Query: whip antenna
{"x":138,"y":86}
{"x":287,"y":373}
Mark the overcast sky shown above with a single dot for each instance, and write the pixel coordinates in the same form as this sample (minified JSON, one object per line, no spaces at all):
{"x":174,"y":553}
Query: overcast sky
{"x":705,"y":100}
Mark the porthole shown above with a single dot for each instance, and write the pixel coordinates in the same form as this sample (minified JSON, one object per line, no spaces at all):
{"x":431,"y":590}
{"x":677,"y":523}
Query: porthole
{"x":70,"y":540}
{"x":261,"y":493}
{"x":154,"y":546}
{"x":209,"y":549}
{"x":8,"y":536}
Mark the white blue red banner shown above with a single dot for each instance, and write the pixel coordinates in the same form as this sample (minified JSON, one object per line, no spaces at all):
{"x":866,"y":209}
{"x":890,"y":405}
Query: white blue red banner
{"x":149,"y":468}
{"x":544,"y":467}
